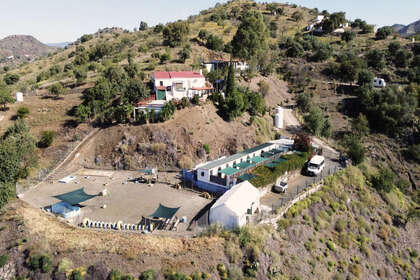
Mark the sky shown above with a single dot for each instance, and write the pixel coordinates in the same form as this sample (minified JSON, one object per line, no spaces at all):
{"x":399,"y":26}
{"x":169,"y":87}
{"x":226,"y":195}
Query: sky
{"x":53,"y":21}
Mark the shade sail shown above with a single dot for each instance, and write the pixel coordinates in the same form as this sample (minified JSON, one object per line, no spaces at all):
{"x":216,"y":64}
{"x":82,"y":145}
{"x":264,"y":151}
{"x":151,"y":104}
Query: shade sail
{"x":164,"y":212}
{"x":280,"y":160}
{"x":271,"y":165}
{"x":257,"y":159}
{"x":246,"y":177}
{"x":244,"y":165}
{"x":75,"y":197}
{"x":229,"y":171}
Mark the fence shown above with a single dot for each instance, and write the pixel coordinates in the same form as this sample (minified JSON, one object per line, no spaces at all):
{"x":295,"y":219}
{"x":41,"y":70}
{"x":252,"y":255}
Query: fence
{"x":291,"y":195}
{"x":203,"y":186}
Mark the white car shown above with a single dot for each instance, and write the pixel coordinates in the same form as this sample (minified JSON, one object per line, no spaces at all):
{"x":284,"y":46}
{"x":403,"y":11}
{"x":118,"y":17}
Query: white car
{"x":280,"y":186}
{"x":316,"y":165}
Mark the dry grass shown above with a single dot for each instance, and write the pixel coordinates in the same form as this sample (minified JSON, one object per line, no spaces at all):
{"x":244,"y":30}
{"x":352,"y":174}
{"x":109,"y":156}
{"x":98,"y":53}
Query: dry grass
{"x":69,"y":239}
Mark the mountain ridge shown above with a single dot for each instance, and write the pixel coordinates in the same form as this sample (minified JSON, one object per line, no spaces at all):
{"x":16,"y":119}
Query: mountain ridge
{"x":22,"y":47}
{"x":407,"y":30}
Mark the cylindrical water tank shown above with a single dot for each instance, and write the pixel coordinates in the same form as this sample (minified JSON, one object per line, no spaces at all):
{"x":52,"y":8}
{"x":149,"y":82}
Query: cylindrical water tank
{"x":279,"y":117}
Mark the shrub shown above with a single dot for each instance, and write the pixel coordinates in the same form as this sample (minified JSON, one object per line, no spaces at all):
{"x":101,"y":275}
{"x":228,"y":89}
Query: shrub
{"x":47,"y":138}
{"x":348,"y":36}
{"x":175,"y":33}
{"x":56,"y":89}
{"x":356,"y":150}
{"x":76,"y":275}
{"x":365,"y":77}
{"x":340,"y":225}
{"x":330,"y":245}
{"x":360,"y":125}
{"x":41,"y":262}
{"x":356,"y":270}
{"x":206,"y":147}
{"x":3,"y":260}
{"x":22,"y":112}
{"x":148,"y":275}
{"x":384,"y":32}
{"x":86,"y":37}
{"x":384,"y":180}
{"x":414,"y":152}
{"x":195,"y":100}
{"x":11,"y":79}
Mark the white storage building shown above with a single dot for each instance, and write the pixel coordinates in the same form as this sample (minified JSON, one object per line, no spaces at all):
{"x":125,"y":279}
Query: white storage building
{"x":233,"y":207}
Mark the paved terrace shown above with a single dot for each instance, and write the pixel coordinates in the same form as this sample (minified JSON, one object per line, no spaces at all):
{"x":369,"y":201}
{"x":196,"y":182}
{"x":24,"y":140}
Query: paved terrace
{"x":126,"y":201}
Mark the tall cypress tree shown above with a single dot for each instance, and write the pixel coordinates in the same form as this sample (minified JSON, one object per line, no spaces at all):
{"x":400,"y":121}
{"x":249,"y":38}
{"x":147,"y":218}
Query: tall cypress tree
{"x":230,"y":84}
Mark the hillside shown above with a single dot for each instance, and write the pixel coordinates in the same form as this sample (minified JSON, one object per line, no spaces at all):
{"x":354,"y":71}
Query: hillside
{"x":407,"y":30}
{"x":15,"y":49}
{"x":363,"y":224}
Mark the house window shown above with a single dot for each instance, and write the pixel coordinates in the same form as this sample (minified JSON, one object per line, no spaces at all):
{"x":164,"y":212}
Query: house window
{"x":211,"y":172}
{"x":161,"y":83}
{"x":202,"y":173}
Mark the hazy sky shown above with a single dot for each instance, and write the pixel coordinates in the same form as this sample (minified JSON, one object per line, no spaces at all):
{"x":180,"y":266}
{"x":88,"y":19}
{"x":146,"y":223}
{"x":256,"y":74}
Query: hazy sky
{"x":57,"y":20}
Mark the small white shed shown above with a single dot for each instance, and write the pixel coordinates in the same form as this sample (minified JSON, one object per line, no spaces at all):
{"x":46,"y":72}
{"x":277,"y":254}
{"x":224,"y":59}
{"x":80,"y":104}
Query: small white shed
{"x":19,"y":96}
{"x":232,"y":208}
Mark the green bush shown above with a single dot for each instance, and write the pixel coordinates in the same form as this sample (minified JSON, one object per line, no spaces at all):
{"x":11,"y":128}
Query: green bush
{"x":148,"y":275}
{"x":47,"y":138}
{"x":384,"y":180}
{"x":266,"y":176}
{"x":356,"y":151}
{"x":206,"y":147}
{"x":3,"y":260}
{"x":22,"y":112}
{"x":76,"y":275}
{"x":330,"y":245}
{"x":11,"y":79}
{"x":41,"y":262}
{"x":414,"y":152}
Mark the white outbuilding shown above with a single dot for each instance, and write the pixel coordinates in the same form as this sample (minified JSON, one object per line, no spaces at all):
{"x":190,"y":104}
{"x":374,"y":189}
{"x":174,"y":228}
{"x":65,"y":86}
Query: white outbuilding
{"x":19,"y":96}
{"x":233,"y":207}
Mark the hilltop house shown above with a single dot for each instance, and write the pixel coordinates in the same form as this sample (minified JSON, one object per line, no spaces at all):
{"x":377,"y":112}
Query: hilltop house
{"x":170,"y":85}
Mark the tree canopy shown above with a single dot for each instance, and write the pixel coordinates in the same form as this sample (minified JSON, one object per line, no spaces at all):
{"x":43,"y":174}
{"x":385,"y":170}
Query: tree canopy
{"x":174,"y":34}
{"x":251,"y":36}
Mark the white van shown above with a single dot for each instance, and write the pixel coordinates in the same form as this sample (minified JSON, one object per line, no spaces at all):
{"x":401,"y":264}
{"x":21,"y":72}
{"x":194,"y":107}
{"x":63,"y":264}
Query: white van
{"x":316,"y":165}
{"x":378,"y":82}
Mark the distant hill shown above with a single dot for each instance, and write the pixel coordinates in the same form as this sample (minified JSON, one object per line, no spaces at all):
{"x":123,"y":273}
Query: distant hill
{"x":59,"y":45}
{"x":407,"y":30}
{"x":22,"y":47}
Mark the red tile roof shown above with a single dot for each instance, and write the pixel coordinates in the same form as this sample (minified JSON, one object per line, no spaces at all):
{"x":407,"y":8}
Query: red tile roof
{"x":175,"y":75}
{"x":203,"y":88}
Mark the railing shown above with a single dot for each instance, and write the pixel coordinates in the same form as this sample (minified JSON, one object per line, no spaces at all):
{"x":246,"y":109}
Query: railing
{"x":218,"y":180}
{"x":290,"y":195}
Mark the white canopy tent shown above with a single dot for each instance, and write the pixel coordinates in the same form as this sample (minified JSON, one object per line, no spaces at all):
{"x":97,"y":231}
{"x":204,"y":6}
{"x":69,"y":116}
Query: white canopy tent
{"x":231,"y":209}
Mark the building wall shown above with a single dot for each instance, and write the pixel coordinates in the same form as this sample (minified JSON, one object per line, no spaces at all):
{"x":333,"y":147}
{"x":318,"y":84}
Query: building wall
{"x":188,"y":83}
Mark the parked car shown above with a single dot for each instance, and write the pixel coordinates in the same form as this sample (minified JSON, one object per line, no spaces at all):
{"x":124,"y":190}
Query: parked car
{"x":315,"y":165}
{"x":280,"y":186}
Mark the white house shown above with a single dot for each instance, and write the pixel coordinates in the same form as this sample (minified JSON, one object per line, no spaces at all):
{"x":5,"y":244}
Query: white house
{"x":221,"y":63}
{"x":223,"y":171}
{"x":319,"y":19}
{"x":234,"y":206}
{"x":170,"y":85}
